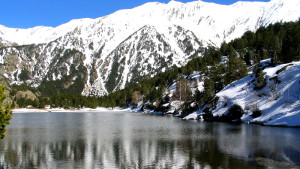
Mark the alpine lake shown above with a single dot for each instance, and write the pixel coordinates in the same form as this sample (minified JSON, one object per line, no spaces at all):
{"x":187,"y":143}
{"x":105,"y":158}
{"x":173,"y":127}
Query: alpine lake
{"x":89,"y":140}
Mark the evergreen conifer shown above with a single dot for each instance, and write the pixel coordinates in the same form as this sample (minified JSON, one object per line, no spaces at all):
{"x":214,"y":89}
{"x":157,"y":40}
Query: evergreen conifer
{"x":5,"y":113}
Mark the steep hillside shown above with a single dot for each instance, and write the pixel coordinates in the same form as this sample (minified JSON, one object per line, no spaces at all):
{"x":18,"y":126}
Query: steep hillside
{"x":276,"y":104}
{"x":98,"y":56}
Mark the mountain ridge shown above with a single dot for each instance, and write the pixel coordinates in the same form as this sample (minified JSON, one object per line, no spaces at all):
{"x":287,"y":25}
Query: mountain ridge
{"x":197,"y":4}
{"x":185,"y":29}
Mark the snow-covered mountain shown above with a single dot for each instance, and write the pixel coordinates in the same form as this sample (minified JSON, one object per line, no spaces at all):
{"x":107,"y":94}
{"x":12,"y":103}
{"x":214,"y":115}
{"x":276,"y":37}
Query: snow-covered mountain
{"x":97,"y":56}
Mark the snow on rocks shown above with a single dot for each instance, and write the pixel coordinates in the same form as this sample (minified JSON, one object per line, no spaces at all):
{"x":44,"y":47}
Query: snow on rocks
{"x":278,"y":101}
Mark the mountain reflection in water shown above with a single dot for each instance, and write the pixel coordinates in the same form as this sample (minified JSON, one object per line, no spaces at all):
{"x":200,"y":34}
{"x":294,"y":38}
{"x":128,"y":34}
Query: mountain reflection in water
{"x":131,"y":140}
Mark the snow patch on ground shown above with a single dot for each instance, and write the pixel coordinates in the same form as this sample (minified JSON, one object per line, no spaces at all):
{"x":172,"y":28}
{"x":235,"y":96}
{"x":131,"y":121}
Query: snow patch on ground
{"x":279,"y":102}
{"x":192,"y":116}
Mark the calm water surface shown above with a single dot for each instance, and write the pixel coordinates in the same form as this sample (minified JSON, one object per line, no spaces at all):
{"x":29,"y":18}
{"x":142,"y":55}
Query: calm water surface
{"x":131,"y":140}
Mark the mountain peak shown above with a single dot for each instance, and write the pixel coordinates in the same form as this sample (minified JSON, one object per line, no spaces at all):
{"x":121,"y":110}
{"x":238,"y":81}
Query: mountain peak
{"x":174,"y":2}
{"x":188,"y":15}
{"x":248,"y":3}
{"x":109,"y":52}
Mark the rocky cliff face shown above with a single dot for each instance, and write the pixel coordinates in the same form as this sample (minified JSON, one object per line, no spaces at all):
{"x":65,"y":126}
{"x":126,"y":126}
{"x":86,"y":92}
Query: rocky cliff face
{"x":97,"y":56}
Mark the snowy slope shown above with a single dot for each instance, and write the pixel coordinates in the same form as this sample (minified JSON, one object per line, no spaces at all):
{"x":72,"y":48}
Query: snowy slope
{"x":219,"y":22}
{"x":279,"y":102}
{"x":147,"y":39}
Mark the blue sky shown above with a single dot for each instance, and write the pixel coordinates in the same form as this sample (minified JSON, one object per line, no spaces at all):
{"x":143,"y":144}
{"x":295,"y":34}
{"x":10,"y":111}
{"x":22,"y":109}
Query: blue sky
{"x":30,"y":13}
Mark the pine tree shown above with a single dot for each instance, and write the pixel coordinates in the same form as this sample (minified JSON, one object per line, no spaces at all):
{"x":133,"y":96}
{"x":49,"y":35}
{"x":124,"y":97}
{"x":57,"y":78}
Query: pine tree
{"x":275,"y":49}
{"x":216,"y":74}
{"x":236,"y":69}
{"x":209,"y":90}
{"x":260,"y":79}
{"x":5,"y":113}
{"x":248,"y":58}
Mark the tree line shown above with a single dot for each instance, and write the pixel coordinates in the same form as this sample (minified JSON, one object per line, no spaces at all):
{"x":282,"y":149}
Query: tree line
{"x":279,"y":41}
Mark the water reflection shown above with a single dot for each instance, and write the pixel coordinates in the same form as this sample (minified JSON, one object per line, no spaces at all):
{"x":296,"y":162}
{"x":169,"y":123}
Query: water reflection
{"x":126,"y":140}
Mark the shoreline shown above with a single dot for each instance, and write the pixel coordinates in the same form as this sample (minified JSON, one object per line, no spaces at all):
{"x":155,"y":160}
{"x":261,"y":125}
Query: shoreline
{"x":102,"y":109}
{"x":45,"y":110}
